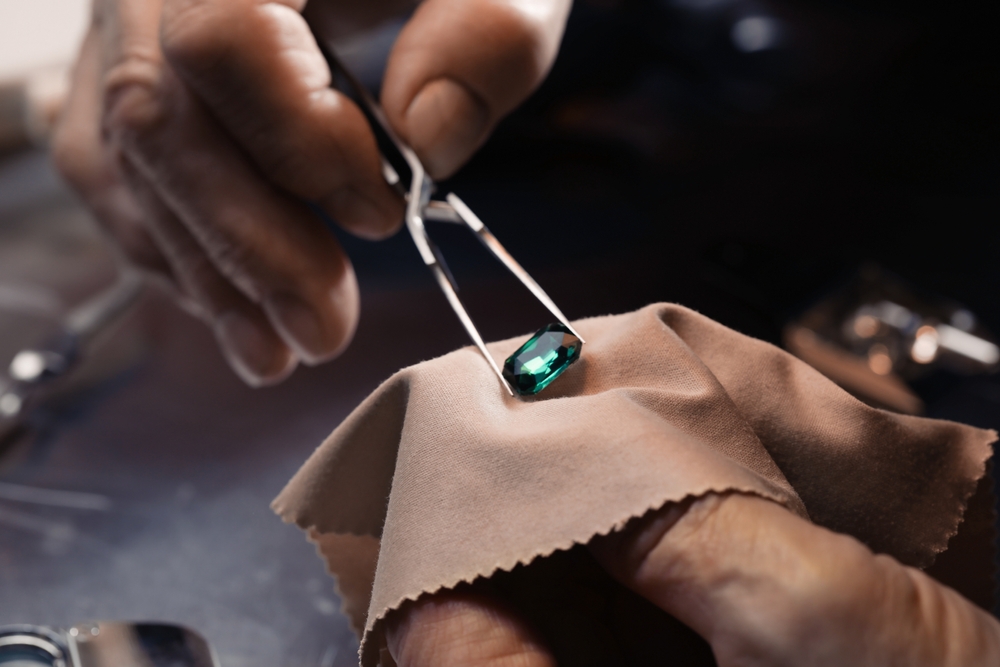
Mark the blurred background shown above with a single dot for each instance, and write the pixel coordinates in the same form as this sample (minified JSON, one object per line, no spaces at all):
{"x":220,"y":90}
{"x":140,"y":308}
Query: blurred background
{"x":821,"y":174}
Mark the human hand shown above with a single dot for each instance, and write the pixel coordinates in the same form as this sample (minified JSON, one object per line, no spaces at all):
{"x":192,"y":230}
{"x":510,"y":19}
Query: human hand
{"x":761,"y":585}
{"x":197,"y":130}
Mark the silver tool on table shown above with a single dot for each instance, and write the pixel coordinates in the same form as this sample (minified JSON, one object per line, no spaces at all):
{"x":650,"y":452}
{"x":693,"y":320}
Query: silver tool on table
{"x":35,"y":370}
{"x":105,"y":644}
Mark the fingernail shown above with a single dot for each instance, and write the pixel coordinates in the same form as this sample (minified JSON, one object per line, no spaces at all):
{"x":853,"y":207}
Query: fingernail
{"x":361,"y":216}
{"x":254,"y":354}
{"x":299,"y":326}
{"x":445,"y":124}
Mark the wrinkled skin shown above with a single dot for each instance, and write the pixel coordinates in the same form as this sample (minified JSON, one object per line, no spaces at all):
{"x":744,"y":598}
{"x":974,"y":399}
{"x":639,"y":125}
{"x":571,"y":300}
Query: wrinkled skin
{"x":198,"y":130}
{"x":764,"y":587}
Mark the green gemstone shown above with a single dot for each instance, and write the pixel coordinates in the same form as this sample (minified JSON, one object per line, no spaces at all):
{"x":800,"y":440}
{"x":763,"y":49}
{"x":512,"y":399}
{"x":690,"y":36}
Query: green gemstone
{"x":542,"y":359}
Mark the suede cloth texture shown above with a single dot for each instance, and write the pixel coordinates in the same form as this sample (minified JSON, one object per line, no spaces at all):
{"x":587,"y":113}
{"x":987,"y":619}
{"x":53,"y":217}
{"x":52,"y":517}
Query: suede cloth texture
{"x":439,"y":477}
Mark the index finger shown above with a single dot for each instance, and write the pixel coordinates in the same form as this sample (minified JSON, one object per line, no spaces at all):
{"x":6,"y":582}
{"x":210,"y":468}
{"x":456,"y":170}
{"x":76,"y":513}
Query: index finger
{"x":257,"y":67}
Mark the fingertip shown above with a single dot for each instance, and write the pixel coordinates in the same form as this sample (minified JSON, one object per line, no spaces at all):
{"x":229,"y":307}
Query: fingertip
{"x":255,"y":380}
{"x":254,"y":352}
{"x":318,"y":330}
{"x":459,"y":66}
{"x":373,"y":217}
{"x":299,"y":326}
{"x":445,"y":123}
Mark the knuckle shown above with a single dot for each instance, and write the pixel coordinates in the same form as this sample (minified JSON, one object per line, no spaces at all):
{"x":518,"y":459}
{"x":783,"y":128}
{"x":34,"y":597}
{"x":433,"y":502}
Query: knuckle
{"x":311,"y":159}
{"x":70,"y":157}
{"x":199,"y":279}
{"x":242,"y":266}
{"x":133,"y":95}
{"x":900,"y":592}
{"x":139,"y":249}
{"x":192,"y":36}
{"x":260,"y":257}
{"x":292,"y":170}
{"x":836,"y":594}
{"x":306,"y":174}
{"x":83,"y":165}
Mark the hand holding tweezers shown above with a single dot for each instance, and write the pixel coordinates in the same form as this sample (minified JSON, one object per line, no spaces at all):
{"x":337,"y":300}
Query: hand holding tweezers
{"x":420,"y":208}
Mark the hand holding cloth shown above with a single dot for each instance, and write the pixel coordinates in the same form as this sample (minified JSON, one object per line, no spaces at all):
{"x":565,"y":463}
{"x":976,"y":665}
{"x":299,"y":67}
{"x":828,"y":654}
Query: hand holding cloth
{"x":439,"y":478}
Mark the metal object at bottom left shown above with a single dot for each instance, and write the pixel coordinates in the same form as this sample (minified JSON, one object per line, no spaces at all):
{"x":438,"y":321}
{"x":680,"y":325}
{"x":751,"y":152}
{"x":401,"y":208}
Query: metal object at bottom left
{"x":104,"y":644}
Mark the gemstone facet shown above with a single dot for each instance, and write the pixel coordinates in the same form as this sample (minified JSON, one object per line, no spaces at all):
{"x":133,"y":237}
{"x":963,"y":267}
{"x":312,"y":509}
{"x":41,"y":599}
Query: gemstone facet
{"x":542,"y":359}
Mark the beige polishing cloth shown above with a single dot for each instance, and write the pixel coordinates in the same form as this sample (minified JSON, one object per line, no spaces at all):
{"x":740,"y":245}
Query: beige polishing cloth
{"x":440,"y":477}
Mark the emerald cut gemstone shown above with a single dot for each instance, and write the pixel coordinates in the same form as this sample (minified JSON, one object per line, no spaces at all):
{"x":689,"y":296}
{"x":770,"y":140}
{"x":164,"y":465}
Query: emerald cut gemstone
{"x":542,"y":359}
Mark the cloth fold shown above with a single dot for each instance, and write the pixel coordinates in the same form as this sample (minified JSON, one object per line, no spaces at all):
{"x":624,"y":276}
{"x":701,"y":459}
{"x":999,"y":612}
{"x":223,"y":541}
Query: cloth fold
{"x":440,"y":478}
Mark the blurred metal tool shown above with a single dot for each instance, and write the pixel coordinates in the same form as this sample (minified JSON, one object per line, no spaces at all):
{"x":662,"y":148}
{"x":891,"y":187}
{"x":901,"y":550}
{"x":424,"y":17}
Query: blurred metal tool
{"x":32,"y":372}
{"x":420,"y":207}
{"x":876,"y":333}
{"x":105,"y":644}
{"x":30,"y":105}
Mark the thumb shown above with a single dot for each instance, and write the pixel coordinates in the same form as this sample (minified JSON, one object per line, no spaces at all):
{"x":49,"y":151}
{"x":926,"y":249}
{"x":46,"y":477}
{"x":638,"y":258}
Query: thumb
{"x":765,"y":587}
{"x":459,"y":66}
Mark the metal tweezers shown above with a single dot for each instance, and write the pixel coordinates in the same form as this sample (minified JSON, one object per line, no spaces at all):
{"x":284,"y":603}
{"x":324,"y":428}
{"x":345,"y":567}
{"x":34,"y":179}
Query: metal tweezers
{"x":420,"y":208}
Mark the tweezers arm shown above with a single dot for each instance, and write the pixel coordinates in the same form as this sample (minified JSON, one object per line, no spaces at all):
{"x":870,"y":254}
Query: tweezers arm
{"x":456,"y":305}
{"x":418,"y":205}
{"x":491,"y":242}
